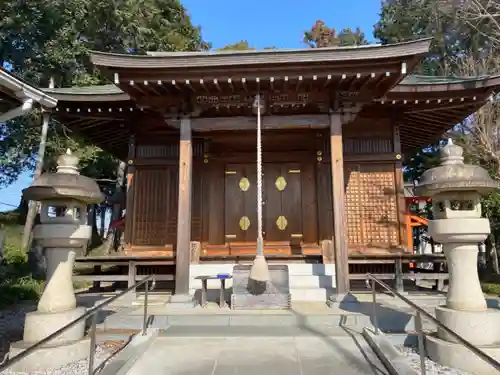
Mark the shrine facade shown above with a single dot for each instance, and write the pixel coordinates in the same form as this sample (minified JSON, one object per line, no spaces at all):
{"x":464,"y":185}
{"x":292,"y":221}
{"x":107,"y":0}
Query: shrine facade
{"x":336,"y":124}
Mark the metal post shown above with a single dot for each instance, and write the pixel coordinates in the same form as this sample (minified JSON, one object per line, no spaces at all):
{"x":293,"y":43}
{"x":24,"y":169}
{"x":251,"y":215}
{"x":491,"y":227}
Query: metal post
{"x":374,"y":307}
{"x":222,"y":293}
{"x":421,"y":344}
{"x":92,"y":344}
{"x":145,"y":317}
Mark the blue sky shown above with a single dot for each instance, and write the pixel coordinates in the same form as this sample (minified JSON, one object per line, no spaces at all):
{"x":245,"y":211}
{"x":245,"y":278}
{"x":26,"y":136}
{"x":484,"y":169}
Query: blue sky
{"x":263,"y":23}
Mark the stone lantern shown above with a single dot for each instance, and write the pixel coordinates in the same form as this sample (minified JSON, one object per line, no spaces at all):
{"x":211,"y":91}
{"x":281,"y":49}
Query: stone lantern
{"x":63,"y":233}
{"x":456,"y":189}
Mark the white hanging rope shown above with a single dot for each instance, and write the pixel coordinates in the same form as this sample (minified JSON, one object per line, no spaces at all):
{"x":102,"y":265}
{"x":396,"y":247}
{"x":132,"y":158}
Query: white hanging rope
{"x":260,"y":240}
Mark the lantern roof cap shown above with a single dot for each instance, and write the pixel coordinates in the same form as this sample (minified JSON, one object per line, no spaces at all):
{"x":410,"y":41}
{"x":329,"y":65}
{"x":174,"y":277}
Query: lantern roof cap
{"x":454,"y":175}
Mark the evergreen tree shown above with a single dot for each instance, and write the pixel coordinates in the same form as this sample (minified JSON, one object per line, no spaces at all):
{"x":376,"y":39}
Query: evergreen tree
{"x":321,"y":36}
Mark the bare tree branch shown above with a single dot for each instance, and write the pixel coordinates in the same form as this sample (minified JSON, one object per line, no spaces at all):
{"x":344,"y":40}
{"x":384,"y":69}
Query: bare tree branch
{"x":483,"y":16}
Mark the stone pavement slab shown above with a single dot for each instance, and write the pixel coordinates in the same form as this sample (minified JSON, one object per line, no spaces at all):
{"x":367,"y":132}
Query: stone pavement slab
{"x":264,"y":355}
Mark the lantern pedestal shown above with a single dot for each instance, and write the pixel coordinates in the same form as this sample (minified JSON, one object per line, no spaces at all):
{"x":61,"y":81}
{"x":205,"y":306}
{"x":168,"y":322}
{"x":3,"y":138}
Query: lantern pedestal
{"x":63,"y":233}
{"x":70,"y":346}
{"x":456,"y":190}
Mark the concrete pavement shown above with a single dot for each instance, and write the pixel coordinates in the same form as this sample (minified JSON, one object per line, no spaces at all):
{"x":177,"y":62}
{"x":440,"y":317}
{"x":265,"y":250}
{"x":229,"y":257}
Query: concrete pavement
{"x":235,"y":351}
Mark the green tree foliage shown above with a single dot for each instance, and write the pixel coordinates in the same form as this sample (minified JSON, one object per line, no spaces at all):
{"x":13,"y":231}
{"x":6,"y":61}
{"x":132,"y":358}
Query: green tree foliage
{"x":43,"y":39}
{"x":242,"y":45}
{"x":403,"y":20}
{"x":464,"y":43}
{"x":321,"y":36}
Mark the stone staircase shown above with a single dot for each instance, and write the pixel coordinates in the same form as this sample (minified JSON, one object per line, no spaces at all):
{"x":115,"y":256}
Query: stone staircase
{"x":311,"y":282}
{"x":308,"y":282}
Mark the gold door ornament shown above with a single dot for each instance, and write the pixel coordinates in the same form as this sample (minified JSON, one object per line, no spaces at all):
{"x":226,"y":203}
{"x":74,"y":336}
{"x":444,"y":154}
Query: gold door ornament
{"x":244,"y":223}
{"x":280,"y":183}
{"x":281,"y":222}
{"x":244,"y":184}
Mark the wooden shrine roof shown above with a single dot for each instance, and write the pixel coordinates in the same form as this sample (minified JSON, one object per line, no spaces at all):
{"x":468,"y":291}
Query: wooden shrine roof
{"x":424,"y":107}
{"x":227,"y":58}
{"x":300,"y":82}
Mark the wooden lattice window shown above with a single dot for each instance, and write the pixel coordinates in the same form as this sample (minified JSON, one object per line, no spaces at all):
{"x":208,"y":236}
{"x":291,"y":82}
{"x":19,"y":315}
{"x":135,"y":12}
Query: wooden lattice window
{"x":155,"y":206}
{"x":371,"y":206}
{"x":353,"y":204}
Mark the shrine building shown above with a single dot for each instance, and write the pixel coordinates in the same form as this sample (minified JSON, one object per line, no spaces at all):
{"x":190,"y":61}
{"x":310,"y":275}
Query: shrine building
{"x":336,"y":124}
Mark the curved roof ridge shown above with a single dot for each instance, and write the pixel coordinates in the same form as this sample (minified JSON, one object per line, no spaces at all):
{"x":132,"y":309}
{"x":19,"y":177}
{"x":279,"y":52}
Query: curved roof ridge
{"x":449,"y":83}
{"x":279,"y":50}
{"x":96,"y":93}
{"x":184,"y":60}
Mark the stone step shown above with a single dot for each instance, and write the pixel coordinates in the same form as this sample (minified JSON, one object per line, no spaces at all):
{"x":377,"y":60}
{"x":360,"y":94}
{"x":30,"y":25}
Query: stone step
{"x":311,"y":281}
{"x":313,"y":294}
{"x":311,"y":269}
{"x":393,"y":321}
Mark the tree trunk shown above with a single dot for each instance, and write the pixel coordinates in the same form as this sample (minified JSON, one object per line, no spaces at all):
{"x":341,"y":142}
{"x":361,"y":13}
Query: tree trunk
{"x":491,"y":255}
{"x":494,"y":256}
{"x":113,"y":238}
{"x":23,"y":211}
{"x":102,"y":214}
{"x":95,"y":240}
{"x":30,"y":217}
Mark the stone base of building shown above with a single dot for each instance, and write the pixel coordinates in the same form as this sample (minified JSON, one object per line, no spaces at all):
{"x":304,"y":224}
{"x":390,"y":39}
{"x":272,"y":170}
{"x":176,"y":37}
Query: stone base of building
{"x":273,"y":294}
{"x":181,"y":301}
{"x":50,"y":356}
{"x":459,"y":357}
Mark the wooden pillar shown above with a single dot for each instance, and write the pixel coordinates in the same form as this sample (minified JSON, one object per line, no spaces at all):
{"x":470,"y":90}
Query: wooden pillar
{"x":129,"y":203}
{"x":400,"y":196}
{"x":340,"y":239}
{"x":182,"y":255}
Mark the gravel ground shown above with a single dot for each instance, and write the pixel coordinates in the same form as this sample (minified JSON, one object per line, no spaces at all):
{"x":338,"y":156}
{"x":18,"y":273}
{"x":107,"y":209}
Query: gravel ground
{"x":12,"y":325}
{"x":432,"y":367}
{"x":103,"y":352}
{"x":11,"y":329}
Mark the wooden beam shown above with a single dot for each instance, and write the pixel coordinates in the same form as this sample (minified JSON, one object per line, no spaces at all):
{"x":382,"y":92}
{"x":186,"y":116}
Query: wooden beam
{"x":182,"y":255}
{"x":268,"y":123}
{"x":340,"y":239}
{"x":129,"y":203}
{"x":399,"y":184}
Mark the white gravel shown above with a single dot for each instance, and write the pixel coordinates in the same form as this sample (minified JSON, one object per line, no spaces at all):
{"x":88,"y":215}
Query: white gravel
{"x":432,"y":367}
{"x":11,"y":329}
{"x":12,"y":325}
{"x":75,"y":368}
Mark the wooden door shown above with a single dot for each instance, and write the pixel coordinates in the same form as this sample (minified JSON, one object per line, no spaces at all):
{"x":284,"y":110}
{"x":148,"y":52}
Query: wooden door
{"x":240,"y":203}
{"x":282,"y":202}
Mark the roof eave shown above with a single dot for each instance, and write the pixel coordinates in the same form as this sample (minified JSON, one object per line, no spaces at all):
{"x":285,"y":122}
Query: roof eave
{"x":469,"y":84}
{"x":23,"y":91}
{"x":239,"y":58}
{"x":92,"y":94}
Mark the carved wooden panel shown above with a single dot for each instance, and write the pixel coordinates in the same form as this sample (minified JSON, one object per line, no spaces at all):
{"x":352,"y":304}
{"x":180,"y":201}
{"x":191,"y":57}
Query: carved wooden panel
{"x":168,"y":150}
{"x":371,"y":206}
{"x":357,"y":145}
{"x":155,"y":214}
{"x":367,"y":145}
